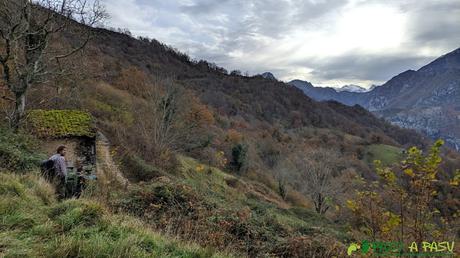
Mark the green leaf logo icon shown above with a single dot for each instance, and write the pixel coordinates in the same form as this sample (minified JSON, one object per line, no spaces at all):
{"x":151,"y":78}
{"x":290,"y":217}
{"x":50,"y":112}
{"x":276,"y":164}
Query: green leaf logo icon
{"x":353,"y":247}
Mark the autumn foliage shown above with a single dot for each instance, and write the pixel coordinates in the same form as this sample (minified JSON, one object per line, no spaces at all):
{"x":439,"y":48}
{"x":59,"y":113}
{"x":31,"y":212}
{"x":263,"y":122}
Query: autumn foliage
{"x":400,"y":205}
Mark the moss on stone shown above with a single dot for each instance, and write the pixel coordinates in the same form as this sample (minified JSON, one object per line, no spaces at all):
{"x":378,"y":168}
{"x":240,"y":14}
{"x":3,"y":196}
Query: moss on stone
{"x":60,"y":123}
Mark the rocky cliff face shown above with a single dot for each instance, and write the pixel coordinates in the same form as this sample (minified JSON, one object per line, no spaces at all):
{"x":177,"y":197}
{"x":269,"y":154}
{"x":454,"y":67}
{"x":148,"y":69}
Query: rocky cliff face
{"x":436,"y":122}
{"x":427,"y":100}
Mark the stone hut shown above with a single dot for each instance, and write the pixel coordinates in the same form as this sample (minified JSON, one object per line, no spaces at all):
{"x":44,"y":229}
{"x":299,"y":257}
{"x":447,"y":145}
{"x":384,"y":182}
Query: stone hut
{"x":73,"y":128}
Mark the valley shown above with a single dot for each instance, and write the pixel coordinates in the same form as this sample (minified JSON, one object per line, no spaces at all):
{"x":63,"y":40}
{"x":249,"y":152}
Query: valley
{"x":426,"y":100}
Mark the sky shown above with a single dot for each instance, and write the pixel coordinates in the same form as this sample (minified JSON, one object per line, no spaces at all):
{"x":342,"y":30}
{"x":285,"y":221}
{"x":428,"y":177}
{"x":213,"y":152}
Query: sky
{"x":326,"y":42}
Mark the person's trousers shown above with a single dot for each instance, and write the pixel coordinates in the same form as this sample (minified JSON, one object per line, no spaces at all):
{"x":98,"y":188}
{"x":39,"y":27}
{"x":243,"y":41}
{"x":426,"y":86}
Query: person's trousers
{"x":59,"y":183}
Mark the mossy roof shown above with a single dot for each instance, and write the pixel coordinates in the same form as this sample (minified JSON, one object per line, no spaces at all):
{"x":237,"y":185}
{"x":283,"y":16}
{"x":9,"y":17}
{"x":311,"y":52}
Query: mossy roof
{"x":60,"y":123}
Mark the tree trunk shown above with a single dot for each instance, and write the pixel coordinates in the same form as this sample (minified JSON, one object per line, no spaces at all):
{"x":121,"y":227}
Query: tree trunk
{"x":319,"y":203}
{"x":19,"y":109}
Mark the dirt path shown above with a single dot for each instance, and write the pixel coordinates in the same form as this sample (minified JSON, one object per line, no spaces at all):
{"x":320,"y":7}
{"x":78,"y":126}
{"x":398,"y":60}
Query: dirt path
{"x":108,"y":173}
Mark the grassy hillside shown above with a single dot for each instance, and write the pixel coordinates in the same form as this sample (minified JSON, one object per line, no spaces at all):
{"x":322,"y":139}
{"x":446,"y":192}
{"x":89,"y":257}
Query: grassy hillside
{"x":386,"y":153}
{"x":198,"y":203}
{"x":34,"y":224}
{"x":229,"y":212}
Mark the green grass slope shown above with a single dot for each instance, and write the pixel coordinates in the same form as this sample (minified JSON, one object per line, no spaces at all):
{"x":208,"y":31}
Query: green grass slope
{"x":197,"y":203}
{"x":385,"y":153}
{"x":33,"y":224}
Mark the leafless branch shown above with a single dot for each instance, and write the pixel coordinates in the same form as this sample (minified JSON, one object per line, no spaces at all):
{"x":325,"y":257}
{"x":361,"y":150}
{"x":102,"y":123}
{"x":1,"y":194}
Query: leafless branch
{"x":26,"y":29}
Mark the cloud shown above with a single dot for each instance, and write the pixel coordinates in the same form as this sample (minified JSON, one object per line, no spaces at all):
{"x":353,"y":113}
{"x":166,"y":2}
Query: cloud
{"x":324,"y":41}
{"x":436,"y":23}
{"x":377,"y":68}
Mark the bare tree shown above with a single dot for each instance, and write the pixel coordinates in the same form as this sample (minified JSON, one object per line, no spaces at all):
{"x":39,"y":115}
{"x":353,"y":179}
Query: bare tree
{"x":174,"y":120}
{"x":166,"y":110}
{"x":317,"y":177}
{"x":27,"y":27}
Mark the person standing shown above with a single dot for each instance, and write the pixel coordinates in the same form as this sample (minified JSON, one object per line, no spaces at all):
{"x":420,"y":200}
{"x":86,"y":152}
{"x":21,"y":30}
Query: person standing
{"x":60,"y":168}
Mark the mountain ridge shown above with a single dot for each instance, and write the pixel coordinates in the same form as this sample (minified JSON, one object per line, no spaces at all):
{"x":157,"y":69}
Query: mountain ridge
{"x":411,"y":98}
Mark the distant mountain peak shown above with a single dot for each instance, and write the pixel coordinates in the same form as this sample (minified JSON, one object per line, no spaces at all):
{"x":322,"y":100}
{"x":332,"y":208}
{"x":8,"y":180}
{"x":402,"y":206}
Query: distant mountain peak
{"x":269,"y":76}
{"x":303,"y":85}
{"x":351,"y":88}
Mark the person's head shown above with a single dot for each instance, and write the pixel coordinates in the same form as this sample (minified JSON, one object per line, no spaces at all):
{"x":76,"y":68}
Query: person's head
{"x":61,"y":150}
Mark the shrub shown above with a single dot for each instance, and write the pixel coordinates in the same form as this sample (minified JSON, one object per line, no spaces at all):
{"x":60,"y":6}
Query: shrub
{"x":282,"y":190}
{"x":138,"y":169}
{"x":412,"y":186}
{"x":17,"y":151}
{"x":233,"y":136}
{"x":297,"y":199}
{"x":239,"y":157}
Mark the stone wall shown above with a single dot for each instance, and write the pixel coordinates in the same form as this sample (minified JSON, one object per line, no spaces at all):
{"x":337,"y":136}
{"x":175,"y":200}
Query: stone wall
{"x":80,"y":151}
